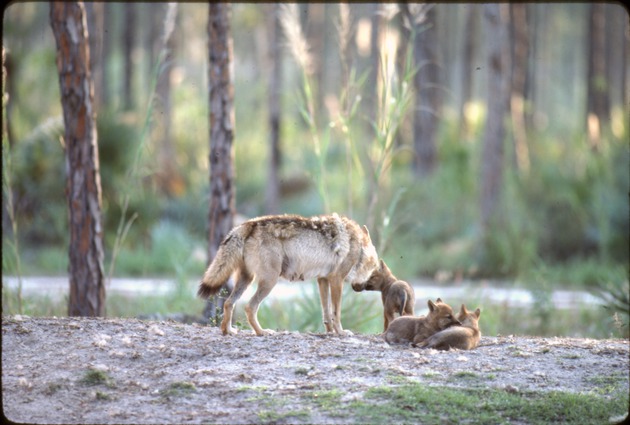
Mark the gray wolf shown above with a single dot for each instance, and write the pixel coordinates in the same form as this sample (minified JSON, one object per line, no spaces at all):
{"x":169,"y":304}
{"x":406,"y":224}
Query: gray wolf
{"x":464,"y":337}
{"x":397,"y":295}
{"x":331,"y":248}
{"x":415,"y":329}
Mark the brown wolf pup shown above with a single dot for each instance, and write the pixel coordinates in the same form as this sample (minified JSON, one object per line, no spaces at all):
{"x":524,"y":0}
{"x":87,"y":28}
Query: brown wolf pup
{"x":397,"y":295}
{"x":417,"y":329}
{"x":328,"y":247}
{"x":464,"y":337}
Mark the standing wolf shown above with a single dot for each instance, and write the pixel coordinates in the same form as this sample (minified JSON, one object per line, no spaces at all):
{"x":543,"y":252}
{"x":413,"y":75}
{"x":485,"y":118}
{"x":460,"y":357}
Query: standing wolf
{"x":328,"y":247}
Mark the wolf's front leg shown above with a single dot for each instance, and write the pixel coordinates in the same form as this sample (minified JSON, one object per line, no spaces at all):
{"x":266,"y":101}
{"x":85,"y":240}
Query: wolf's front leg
{"x":324,"y":296}
{"x":336,"y":288}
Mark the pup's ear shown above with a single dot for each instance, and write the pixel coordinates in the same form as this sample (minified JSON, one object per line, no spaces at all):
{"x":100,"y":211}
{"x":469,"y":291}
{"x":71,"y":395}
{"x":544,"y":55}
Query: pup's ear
{"x":439,"y":300}
{"x":382,"y":264}
{"x":478,"y":313}
{"x":463,"y":310}
{"x":432,"y":306}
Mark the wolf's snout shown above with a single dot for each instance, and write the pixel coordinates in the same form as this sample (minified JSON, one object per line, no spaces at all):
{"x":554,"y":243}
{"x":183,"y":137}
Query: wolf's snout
{"x":358,"y":287}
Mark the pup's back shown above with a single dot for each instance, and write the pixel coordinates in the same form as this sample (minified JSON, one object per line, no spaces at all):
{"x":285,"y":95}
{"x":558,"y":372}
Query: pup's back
{"x":417,"y":329}
{"x":464,"y":337}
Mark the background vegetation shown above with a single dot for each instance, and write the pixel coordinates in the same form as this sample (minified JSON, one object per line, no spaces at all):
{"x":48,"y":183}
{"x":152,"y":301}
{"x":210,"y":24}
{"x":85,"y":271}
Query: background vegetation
{"x":564,"y":222}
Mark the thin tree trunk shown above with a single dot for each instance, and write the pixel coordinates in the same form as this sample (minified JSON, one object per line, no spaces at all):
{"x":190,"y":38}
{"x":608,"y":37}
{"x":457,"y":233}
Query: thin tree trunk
{"x":83,"y":185}
{"x":272,"y":195}
{"x":129,"y":38}
{"x":221,"y":99}
{"x":597,"y":84}
{"x":468,"y":68}
{"x":520,"y":50}
{"x":496,"y":18}
{"x":94,"y":12}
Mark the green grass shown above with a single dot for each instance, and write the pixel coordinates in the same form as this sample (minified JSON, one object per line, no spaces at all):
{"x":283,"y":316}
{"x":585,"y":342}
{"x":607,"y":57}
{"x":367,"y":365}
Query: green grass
{"x":433,"y":405}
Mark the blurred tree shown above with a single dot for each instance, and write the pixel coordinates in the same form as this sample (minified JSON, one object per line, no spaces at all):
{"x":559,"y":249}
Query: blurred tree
{"x":168,"y":177}
{"x":221,"y":100}
{"x":272,"y":194}
{"x":498,"y":41}
{"x":520,"y":51}
{"x":106,"y":54}
{"x":129,"y":41}
{"x":597,"y":105}
{"x":94,"y":12}
{"x":373,"y":81}
{"x":83,"y":185}
{"x":316,"y":38}
{"x":421,"y":18}
{"x":468,"y":67}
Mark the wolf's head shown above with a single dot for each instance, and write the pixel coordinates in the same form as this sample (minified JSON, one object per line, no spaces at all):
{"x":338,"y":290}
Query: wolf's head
{"x":367,"y":261}
{"x":378,"y":278}
{"x":441,"y":315}
{"x":469,"y":319}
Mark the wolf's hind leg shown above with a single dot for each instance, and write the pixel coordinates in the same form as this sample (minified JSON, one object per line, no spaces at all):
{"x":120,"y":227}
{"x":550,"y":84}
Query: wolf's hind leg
{"x":324,"y":295}
{"x":243,"y":281}
{"x":251,"y":309}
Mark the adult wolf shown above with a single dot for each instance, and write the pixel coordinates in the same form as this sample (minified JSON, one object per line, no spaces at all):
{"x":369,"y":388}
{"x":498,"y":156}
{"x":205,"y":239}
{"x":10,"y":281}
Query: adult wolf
{"x":331,"y":248}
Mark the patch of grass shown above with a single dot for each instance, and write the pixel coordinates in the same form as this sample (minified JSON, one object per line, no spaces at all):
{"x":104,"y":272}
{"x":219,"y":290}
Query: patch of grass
{"x":433,"y":405}
{"x":327,"y":400}
{"x":291,"y":416}
{"x":178,"y":389}
{"x":96,"y":377}
{"x":103,"y":396}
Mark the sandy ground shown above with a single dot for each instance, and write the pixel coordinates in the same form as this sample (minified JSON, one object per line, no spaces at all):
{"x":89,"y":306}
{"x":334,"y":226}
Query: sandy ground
{"x":70,"y":370}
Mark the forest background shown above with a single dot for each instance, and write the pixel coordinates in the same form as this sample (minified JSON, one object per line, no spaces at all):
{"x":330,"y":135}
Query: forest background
{"x":354,"y":82}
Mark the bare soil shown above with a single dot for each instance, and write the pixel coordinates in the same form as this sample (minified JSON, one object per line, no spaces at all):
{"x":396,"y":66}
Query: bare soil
{"x":71,"y":370}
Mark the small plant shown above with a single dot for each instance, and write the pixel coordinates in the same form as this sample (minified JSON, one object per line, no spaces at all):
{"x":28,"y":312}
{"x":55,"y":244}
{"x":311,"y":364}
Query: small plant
{"x":178,"y":389}
{"x":96,"y":377}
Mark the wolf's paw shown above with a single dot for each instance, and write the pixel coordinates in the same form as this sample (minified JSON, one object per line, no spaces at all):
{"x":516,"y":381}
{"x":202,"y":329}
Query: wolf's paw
{"x":346,"y":332}
{"x":265,"y":332}
{"x":230,"y":331}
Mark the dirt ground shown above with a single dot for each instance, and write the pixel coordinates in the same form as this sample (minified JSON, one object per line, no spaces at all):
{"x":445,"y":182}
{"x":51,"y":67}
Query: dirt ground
{"x":70,"y":370}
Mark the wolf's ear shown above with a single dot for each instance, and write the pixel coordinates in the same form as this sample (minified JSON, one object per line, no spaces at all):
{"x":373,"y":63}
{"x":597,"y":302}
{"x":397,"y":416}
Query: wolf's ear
{"x":432,"y":306}
{"x":478,"y":313}
{"x":366,"y":231}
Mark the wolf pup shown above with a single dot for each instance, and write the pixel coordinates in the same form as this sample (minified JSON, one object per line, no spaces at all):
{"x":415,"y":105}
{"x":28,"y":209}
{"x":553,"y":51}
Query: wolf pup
{"x":330,"y":248}
{"x":417,"y":329}
{"x":464,"y":337}
{"x":397,"y":295}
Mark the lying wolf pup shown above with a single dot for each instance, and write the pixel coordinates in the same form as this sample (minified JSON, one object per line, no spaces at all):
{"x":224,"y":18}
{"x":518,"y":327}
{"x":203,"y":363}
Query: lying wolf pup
{"x":329,"y":247}
{"x":417,"y":329}
{"x":464,"y":337}
{"x":397,"y":295}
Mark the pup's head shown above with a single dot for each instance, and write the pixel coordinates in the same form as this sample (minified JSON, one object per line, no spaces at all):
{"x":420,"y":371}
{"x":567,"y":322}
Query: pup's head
{"x":377,"y":278}
{"x":467,"y":318}
{"x":441,"y":314}
{"x":368,"y":259}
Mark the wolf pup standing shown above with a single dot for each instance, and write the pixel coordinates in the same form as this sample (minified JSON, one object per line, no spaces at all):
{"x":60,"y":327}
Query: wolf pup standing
{"x":329,"y":247}
{"x":417,"y":329}
{"x":397,"y":295}
{"x":464,"y":337}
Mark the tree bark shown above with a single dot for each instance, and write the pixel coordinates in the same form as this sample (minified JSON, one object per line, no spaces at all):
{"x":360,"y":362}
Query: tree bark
{"x":272,"y":195}
{"x":221,"y":98}
{"x":427,"y":96}
{"x":498,"y":104}
{"x":129,"y":39}
{"x":83,"y":184}
{"x":94,"y":13}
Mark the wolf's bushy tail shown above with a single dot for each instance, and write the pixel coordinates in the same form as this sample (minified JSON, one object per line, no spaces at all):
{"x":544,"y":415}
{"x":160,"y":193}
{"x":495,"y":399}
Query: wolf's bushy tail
{"x":228,"y":259}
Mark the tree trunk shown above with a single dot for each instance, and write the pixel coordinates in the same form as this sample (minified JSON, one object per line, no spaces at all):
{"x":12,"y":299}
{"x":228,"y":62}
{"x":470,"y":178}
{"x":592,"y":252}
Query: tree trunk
{"x":129,"y":39}
{"x":468,"y":67}
{"x":520,"y":51}
{"x":272,"y":195}
{"x":83,"y":185}
{"x":427,"y":96}
{"x":221,"y":98}
{"x":597,"y":106}
{"x":496,"y":18}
